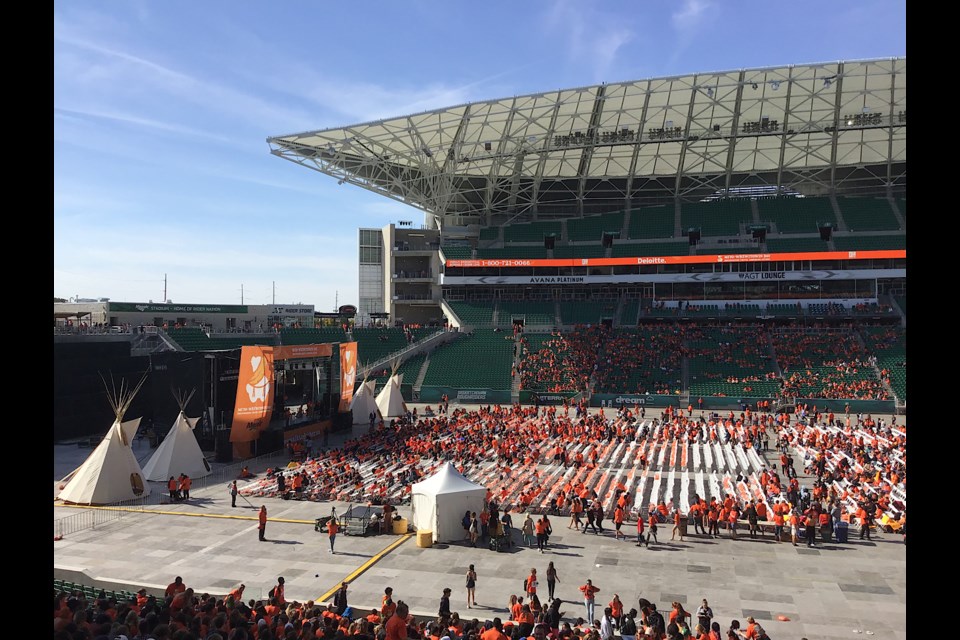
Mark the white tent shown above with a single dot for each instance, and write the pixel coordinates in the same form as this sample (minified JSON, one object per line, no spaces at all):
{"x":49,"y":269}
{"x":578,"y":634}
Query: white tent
{"x":179,"y":451}
{"x":364,"y":402}
{"x":389,"y":400}
{"x":439,"y":503}
{"x":111,"y":473}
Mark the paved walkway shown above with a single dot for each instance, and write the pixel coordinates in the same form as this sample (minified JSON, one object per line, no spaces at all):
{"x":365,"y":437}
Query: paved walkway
{"x":831,"y":591}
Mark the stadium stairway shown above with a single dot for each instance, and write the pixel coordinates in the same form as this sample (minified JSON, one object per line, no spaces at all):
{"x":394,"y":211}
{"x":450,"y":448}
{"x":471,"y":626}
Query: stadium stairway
{"x":421,"y":374}
{"x":515,"y":383}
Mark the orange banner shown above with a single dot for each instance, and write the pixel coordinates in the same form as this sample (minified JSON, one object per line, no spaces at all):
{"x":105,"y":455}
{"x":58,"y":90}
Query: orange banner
{"x":348,"y":373}
{"x":255,"y":388}
{"x":302,"y":351}
{"x":739,"y":257}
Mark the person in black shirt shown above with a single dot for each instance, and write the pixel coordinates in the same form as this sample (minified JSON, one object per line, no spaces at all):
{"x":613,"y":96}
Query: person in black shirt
{"x":340,"y":599}
{"x":445,"y":604}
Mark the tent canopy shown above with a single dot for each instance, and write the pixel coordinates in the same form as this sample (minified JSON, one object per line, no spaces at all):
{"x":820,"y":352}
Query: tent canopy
{"x":439,"y":502}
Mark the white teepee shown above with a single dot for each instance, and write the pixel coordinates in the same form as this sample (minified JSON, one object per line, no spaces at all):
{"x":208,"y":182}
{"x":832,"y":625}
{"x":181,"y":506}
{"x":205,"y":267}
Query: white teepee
{"x":389,"y":400}
{"x":179,"y":451}
{"x":364,"y":402}
{"x":111,"y":473}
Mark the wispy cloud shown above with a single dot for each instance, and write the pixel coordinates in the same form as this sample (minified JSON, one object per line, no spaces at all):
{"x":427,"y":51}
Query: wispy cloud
{"x":690,"y":15}
{"x":598,"y":47}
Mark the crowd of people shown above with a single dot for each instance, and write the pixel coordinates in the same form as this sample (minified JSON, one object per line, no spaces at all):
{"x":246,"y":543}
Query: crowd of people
{"x":183,"y":614}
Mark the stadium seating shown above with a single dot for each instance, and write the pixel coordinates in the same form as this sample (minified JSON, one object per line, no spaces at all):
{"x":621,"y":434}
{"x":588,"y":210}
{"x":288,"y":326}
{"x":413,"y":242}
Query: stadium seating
{"x":868,"y":214}
{"x":719,"y":218}
{"x":531,"y":232}
{"x":481,"y":361}
{"x":549,"y":362}
{"x":651,"y":249}
{"x":534,"y":313}
{"x":902,"y":205}
{"x":723,"y":250}
{"x":455,"y":252}
{"x":702,"y":309}
{"x":512,"y":252}
{"x":795,"y":245}
{"x":830,"y":363}
{"x":410,"y":370}
{"x":192,"y":339}
{"x":591,"y":228}
{"x":742,"y":310}
{"x":289,"y":336}
{"x":642,"y":360}
{"x":488,"y":234}
{"x":870,"y":243}
{"x":784,"y":310}
{"x":580,"y":251}
{"x":889,"y":346}
{"x":651,"y":222}
{"x":376,"y":343}
{"x":473,"y":312}
{"x":731,"y":361}
{"x":629,"y":313}
{"x":796,"y":215}
{"x":902,"y":303}
{"x":586,"y":311}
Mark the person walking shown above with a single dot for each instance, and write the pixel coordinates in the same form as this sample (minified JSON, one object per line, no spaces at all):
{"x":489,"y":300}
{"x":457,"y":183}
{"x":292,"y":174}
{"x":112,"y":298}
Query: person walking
{"x":652,"y":521}
{"x":541,"y":530}
{"x":591,"y":516}
{"x":606,"y":624}
{"x":552,"y":580}
{"x":340,"y":599}
{"x":704,"y":614}
{"x":676,"y":525}
{"x":641,"y":539}
{"x":531,"y":583}
{"x":810,"y":520}
{"x":332,"y":528}
{"x":444,"y":611}
{"x":262,"y":526}
{"x":618,"y":516}
{"x":471,"y":587}
{"x":474,"y":528}
{"x":527,"y":531}
{"x":589,"y":599}
{"x":233,"y":493}
{"x":863,"y":513}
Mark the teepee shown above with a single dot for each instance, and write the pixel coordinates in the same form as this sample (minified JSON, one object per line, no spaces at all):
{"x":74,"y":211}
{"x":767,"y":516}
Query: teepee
{"x":364,"y":402}
{"x":389,"y":400}
{"x":179,"y":451}
{"x":111,"y":473}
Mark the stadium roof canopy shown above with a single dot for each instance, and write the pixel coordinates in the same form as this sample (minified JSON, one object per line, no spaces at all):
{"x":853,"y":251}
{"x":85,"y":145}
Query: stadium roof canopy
{"x":836,"y":127}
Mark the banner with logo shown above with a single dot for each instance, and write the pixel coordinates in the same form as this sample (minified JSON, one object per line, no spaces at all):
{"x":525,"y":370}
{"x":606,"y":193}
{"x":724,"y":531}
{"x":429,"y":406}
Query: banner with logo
{"x":255,"y":388}
{"x":348,"y":373}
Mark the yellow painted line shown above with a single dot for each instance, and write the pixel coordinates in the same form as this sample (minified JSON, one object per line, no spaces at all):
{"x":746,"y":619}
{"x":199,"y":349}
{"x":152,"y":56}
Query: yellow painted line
{"x":366,"y":565}
{"x":188,"y":514}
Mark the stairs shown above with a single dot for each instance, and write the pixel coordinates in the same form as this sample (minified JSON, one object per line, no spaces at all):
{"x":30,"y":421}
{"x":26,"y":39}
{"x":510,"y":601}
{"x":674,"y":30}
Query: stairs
{"x":515,"y":383}
{"x":421,"y":374}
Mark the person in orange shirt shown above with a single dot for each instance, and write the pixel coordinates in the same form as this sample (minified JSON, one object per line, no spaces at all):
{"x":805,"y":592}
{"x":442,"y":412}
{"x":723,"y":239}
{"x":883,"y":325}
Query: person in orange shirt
{"x":618,"y":522}
{"x":777,"y":524}
{"x":185,"y":483}
{"x":172,"y":488}
{"x":532,"y":583}
{"x":794,"y":526}
{"x":732,"y":522}
{"x":262,"y":526}
{"x":616,"y":610}
{"x":541,"y":529}
{"x":387,"y":606}
{"x":589,"y":599}
{"x":652,"y":522}
{"x":237,"y":593}
{"x":175,"y":587}
{"x":396,"y":626}
{"x":332,"y":528}
{"x":676,"y":525}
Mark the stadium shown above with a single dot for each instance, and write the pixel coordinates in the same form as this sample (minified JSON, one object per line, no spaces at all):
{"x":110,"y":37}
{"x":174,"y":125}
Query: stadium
{"x":617,"y":296}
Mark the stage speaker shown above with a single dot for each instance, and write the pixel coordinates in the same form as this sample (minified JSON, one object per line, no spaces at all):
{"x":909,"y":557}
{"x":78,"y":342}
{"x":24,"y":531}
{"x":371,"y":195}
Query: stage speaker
{"x":693,"y":235}
{"x":549,"y":241}
{"x":826,"y":231}
{"x":270,"y":440}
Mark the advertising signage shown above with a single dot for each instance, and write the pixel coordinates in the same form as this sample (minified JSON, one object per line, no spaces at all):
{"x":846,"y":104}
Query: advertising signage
{"x":656,"y":260}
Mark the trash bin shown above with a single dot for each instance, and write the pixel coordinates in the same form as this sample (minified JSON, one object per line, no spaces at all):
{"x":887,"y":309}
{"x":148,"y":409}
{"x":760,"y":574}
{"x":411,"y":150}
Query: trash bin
{"x":400,"y":526}
{"x":843,"y":531}
{"x":424,"y":539}
{"x":682,"y":527}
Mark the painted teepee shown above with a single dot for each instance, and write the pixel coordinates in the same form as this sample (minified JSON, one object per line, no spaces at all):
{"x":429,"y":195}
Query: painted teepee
{"x":179,"y":452}
{"x":389,"y":400}
{"x":364,"y":402}
{"x":111,"y":473}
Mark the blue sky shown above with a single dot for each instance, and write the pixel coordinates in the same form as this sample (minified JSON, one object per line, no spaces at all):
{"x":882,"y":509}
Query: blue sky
{"x":162,"y":110}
